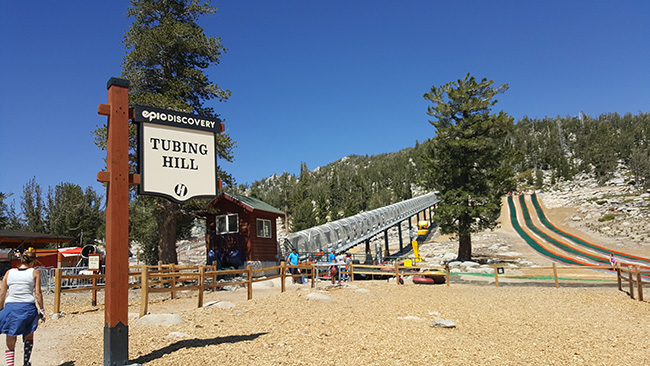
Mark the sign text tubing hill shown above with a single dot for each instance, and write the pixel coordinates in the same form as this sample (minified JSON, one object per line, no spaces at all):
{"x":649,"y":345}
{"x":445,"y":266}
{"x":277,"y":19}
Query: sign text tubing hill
{"x":177,"y":153}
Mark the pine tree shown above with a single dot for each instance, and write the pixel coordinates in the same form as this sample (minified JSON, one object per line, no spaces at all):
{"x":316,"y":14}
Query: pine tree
{"x":73,"y":212}
{"x":468,"y":161}
{"x":168,"y":53}
{"x":4,"y":211}
{"x":33,"y":207}
{"x":304,"y":216}
{"x":640,"y":166}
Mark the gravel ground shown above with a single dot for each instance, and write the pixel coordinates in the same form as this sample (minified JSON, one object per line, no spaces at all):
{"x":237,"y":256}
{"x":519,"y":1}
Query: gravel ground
{"x":376,"y":322}
{"x":384,"y":324}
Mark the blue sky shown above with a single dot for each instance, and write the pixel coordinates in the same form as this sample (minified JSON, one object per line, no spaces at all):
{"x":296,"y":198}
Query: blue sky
{"x":315,"y":81}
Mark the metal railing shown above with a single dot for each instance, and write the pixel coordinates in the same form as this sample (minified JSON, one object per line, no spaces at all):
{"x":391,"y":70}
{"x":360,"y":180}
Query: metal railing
{"x":345,"y":233}
{"x":48,"y":284}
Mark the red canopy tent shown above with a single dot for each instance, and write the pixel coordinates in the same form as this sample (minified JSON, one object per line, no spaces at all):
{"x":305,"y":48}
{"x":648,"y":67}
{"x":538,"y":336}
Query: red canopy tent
{"x":72,"y":251}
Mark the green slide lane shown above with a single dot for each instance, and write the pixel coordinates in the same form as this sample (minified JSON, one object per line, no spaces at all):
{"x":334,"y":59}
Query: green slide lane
{"x":534,"y":244}
{"x":554,"y":242}
{"x":577,"y":240}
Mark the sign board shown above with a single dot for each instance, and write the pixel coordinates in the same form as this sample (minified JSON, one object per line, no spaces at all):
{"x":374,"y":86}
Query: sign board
{"x":94,"y":262}
{"x":178,"y":156}
{"x":500,"y":270}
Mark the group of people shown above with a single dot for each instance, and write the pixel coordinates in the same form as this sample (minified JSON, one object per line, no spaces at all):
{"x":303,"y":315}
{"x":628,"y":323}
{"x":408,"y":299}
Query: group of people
{"x":21,"y":301}
{"x":337,"y":260}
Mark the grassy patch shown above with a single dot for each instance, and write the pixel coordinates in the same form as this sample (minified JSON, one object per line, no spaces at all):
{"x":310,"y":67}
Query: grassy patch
{"x":608,"y":217}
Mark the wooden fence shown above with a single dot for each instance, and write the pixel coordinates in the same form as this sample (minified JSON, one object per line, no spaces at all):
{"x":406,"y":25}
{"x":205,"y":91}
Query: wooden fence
{"x":633,"y":277}
{"x":591,"y":273}
{"x":173,"y":278}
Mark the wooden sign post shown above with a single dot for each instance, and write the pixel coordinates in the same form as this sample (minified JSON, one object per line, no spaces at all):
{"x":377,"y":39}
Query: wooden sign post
{"x":117,"y":177}
{"x":173,"y":147}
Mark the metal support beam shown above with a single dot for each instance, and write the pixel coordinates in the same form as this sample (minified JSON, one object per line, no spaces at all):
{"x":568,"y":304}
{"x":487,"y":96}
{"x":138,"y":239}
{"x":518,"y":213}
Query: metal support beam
{"x":399,"y":231}
{"x":378,"y":254}
{"x":387,"y":252}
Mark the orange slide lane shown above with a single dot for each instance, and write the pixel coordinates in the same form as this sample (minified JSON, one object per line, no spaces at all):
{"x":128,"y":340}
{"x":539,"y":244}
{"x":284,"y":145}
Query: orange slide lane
{"x":622,"y":257}
{"x":536,"y":243}
{"x":556,"y":244}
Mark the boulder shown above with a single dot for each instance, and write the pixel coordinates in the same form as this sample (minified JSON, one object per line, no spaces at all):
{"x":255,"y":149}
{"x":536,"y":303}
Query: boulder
{"x":224,"y":305}
{"x":449,"y":256}
{"x":177,"y":335}
{"x":160,"y":319}
{"x":469,"y":264}
{"x":318,"y":297}
{"x":443,"y":323}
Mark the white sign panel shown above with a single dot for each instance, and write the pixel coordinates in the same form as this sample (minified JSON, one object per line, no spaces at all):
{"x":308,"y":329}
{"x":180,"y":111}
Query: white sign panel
{"x":178,"y":163}
{"x":93,"y":262}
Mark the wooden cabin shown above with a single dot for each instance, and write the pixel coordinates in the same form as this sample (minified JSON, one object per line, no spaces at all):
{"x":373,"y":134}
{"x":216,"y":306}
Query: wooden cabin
{"x":16,"y":241}
{"x":244,"y":227}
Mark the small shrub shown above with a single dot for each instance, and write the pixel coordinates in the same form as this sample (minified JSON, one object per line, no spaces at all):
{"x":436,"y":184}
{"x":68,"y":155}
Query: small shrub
{"x":608,"y":217}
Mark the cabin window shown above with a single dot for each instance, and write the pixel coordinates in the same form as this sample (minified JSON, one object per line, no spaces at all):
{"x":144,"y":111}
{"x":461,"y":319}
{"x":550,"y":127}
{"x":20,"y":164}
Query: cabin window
{"x":263,"y":228}
{"x":227,"y":224}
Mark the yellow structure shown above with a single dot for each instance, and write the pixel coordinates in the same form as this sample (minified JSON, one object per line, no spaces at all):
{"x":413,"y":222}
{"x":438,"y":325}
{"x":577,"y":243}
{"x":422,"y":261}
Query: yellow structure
{"x":416,"y":251}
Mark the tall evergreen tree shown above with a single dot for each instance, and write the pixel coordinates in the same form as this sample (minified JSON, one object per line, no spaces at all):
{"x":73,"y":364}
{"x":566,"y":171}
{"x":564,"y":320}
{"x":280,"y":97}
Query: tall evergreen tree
{"x":640,"y":166}
{"x":143,"y":228}
{"x":303,"y":216}
{"x":9,"y":219}
{"x":14,"y":221}
{"x":168,"y":54}
{"x":4,"y":211}
{"x":73,"y":212}
{"x":33,"y":207}
{"x":468,"y":160}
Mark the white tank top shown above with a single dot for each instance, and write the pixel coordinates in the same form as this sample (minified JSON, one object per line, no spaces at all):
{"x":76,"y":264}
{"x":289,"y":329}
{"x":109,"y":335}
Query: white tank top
{"x":21,"y":285}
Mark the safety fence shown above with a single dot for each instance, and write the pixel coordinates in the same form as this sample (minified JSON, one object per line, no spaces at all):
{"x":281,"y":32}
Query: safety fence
{"x":174,"y":278}
{"x":167,"y":279}
{"x":553,"y":273}
{"x":634,"y":277}
{"x":47,"y":278}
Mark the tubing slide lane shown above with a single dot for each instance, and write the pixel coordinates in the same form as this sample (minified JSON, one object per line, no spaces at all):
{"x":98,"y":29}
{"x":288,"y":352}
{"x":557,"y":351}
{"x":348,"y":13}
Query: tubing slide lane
{"x":579,"y":241}
{"x":533,"y":243}
{"x":562,"y":246}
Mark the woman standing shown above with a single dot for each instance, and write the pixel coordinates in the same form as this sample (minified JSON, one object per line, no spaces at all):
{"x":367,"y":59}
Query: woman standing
{"x":20,"y":292}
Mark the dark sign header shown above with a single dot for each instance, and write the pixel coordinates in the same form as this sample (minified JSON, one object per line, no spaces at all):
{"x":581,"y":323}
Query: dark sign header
{"x":176,"y":119}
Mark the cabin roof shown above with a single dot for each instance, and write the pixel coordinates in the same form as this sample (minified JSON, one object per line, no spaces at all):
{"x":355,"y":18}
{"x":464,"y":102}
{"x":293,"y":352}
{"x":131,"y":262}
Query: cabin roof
{"x":17,"y":237}
{"x":248,"y":203}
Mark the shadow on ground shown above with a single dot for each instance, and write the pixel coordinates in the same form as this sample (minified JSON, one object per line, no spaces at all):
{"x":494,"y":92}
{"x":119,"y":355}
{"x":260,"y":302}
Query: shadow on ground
{"x":194,"y":343}
{"x":186,"y":343}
